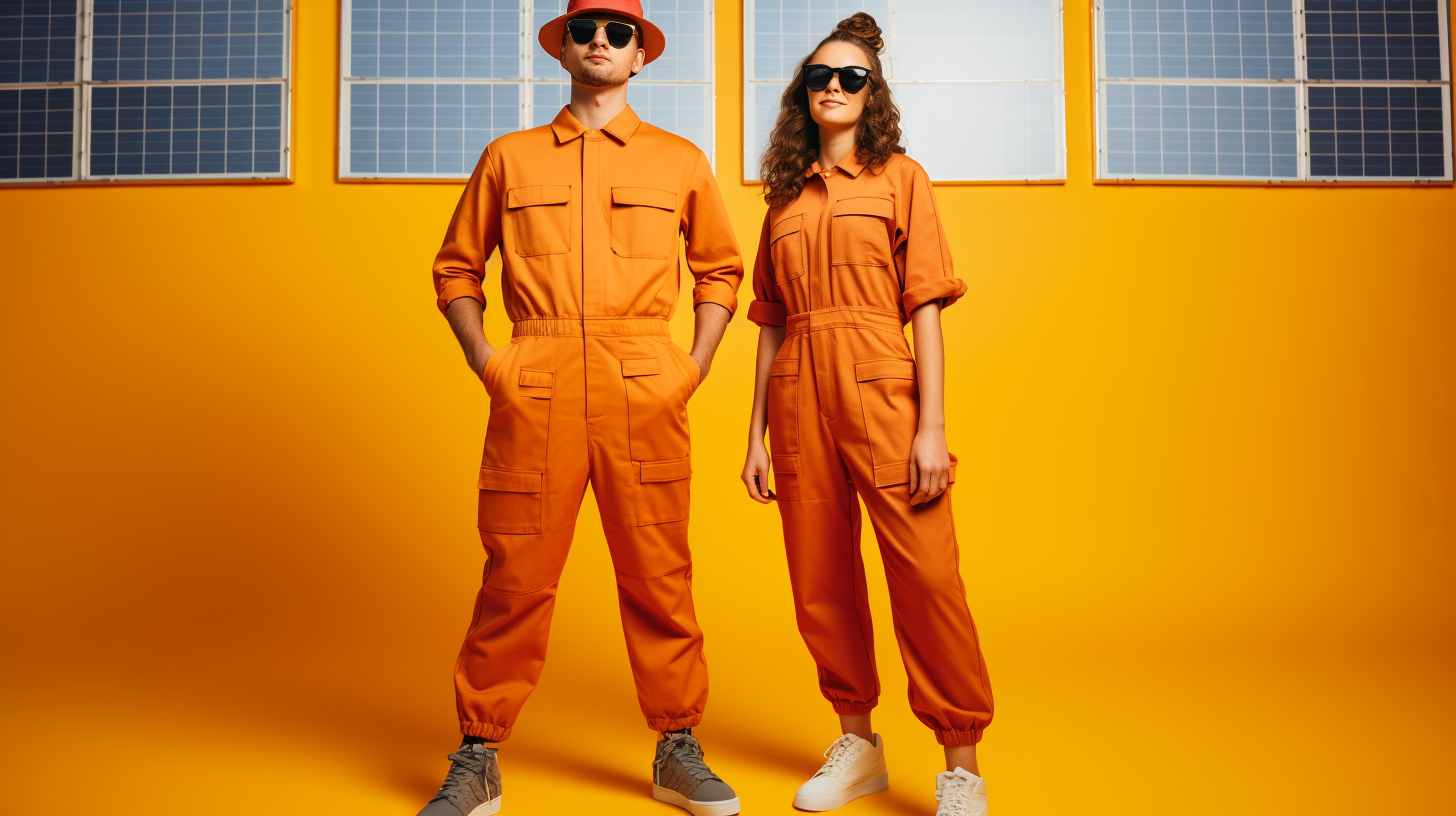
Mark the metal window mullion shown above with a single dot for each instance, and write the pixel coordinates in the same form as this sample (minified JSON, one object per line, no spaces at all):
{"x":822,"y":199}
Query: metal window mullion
{"x":285,"y":163}
{"x":710,"y":51}
{"x":749,"y":78}
{"x":81,"y":110}
{"x":894,"y":32}
{"x":527,"y":62}
{"x":346,"y":58}
{"x":1301,"y":94}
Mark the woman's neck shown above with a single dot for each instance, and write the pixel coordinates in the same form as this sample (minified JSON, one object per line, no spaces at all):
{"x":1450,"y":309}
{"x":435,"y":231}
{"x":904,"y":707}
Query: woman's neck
{"x":834,"y":145}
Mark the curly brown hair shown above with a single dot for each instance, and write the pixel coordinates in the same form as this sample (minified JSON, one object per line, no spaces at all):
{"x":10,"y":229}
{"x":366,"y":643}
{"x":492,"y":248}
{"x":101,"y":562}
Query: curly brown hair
{"x":794,"y":143}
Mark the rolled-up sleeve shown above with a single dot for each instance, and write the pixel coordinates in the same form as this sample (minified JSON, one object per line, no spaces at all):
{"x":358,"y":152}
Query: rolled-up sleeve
{"x":473,"y":234}
{"x":767,"y":308}
{"x":712,"y":250}
{"x":922,"y":251}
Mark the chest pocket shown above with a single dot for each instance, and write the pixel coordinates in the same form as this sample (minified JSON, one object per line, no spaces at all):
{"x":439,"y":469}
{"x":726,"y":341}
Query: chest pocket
{"x":542,"y":218}
{"x":787,"y":249}
{"x":644,"y":222}
{"x":860,"y":231}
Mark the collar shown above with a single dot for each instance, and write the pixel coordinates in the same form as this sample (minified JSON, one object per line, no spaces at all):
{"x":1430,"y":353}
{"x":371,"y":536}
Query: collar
{"x":849,"y":165}
{"x":623,"y":125}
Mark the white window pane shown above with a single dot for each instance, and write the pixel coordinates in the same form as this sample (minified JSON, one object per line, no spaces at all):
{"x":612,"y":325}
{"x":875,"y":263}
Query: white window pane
{"x":997,"y":131}
{"x":783,"y":31}
{"x":977,"y":39}
{"x":761,"y":109}
{"x":680,"y":109}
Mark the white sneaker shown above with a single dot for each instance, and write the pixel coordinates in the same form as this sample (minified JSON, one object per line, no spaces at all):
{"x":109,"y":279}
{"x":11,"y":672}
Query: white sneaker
{"x":855,"y":768}
{"x":960,"y":793}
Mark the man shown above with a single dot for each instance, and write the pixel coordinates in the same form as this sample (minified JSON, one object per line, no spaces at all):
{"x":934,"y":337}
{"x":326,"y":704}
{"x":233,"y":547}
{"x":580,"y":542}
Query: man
{"x":586,"y":212}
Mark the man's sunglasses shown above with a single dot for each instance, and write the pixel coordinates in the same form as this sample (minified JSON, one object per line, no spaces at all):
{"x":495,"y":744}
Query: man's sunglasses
{"x":584,"y":29}
{"x":852,"y":78}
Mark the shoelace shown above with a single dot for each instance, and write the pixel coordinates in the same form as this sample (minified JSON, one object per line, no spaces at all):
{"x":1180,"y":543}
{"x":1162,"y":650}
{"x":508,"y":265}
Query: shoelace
{"x":688,"y":753}
{"x":839,"y":754}
{"x":465,"y":782}
{"x":956,"y":795}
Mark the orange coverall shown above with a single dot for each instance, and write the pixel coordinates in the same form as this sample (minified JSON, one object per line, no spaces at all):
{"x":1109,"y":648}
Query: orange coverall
{"x":841,"y":267}
{"x":590,"y":388}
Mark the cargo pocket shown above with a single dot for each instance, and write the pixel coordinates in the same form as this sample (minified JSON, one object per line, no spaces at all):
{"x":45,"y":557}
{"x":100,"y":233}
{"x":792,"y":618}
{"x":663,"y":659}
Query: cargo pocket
{"x":542,"y":218}
{"x":783,"y":406}
{"x":664,"y":493}
{"x":890,"y":402}
{"x":644,"y":222}
{"x":510,"y":501}
{"x":787,"y":249}
{"x":512,"y":470}
{"x":657,"y":416}
{"x":786,"y":477}
{"x":860,"y":232}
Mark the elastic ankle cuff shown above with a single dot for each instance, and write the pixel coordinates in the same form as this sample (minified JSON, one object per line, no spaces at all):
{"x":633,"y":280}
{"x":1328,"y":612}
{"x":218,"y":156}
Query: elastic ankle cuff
{"x":488,"y":731}
{"x":661,"y":724}
{"x":854,"y":708}
{"x":953,"y":738}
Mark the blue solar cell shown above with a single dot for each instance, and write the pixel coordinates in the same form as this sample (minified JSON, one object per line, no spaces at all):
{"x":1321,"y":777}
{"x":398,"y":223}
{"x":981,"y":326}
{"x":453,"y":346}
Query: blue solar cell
{"x":35,"y":133}
{"x":436,"y":40}
{"x":419,"y":129}
{"x":1377,"y":40}
{"x":1199,"y":130}
{"x":1376,"y":132}
{"x":1174,"y":39}
{"x":38,"y":42}
{"x":218,"y":39}
{"x":186,"y":130}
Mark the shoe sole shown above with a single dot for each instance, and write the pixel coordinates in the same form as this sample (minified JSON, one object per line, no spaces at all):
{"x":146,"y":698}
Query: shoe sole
{"x":874,"y":784}
{"x":727,"y":807}
{"x":487,"y":808}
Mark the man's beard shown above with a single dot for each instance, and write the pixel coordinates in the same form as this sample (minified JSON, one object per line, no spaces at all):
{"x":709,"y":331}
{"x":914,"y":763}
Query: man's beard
{"x":597,"y":77}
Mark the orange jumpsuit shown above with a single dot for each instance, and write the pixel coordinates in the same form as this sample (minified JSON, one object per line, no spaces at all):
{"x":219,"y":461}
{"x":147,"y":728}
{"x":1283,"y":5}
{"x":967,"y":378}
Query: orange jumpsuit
{"x":841,"y":267}
{"x":590,"y":388}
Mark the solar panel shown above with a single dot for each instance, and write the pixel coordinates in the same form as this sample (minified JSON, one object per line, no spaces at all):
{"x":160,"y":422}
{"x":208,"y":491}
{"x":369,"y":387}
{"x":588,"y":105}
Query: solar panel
{"x":481,"y":42}
{"x":1373,"y":39}
{"x":1367,"y":132}
{"x":1160,"y":131}
{"x":1198,"y":39}
{"x":36,"y":126}
{"x":166,"y":130}
{"x":188,"y":39}
{"x":422,"y":129}
{"x":38,"y":41}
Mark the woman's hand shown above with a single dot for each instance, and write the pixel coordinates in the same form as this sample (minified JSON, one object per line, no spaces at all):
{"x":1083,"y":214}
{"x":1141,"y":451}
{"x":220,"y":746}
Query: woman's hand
{"x":755,"y":472}
{"x":929,"y":466}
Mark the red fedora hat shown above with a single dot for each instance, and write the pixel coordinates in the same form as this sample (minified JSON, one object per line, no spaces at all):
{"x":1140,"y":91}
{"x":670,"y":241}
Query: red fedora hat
{"x":653,"y":42}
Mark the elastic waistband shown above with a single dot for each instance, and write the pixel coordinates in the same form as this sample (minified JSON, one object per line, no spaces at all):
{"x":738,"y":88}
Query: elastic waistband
{"x":580,"y":326}
{"x":838,"y":317}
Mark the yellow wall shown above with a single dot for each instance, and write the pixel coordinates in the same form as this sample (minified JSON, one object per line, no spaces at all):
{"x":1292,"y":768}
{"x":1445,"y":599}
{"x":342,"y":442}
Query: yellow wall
{"x":1205,"y":502}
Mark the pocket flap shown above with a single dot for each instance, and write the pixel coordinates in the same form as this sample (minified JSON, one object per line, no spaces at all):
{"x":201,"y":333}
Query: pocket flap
{"x":865,"y":205}
{"x":543,"y":194}
{"x":511,"y":481}
{"x":899,"y":473}
{"x":638,"y":367}
{"x":884,"y":370}
{"x":787,"y":367}
{"x":532,"y":378}
{"x":645,"y":197}
{"x":666,"y":470}
{"x":788,"y":226}
{"x":785,"y":464}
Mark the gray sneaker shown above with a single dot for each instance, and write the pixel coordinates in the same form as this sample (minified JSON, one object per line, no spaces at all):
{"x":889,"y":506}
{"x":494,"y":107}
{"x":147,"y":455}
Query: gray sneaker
{"x":472,"y":787}
{"x":680,"y":777}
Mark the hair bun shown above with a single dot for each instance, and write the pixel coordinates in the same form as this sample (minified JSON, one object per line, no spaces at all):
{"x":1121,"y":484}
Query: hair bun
{"x":864,"y":27}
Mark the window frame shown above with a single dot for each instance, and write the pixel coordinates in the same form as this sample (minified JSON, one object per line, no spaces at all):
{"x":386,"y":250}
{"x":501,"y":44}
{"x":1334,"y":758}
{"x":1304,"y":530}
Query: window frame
{"x":81,"y":114}
{"x":1301,"y":84}
{"x":526,"y":82}
{"x":891,"y":34}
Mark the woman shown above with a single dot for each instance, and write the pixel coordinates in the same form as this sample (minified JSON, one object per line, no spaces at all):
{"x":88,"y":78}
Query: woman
{"x":851,"y":249}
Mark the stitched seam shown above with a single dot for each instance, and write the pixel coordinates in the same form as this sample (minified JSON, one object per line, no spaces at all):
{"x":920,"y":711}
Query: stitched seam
{"x":655,"y":577}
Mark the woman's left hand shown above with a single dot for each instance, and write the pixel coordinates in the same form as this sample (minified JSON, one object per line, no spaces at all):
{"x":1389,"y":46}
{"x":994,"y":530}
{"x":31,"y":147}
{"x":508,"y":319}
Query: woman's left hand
{"x":929,"y":466}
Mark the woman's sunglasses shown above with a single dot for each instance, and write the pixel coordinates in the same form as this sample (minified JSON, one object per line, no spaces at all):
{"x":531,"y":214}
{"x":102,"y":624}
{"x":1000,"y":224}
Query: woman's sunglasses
{"x":852,"y":78}
{"x":584,"y":29}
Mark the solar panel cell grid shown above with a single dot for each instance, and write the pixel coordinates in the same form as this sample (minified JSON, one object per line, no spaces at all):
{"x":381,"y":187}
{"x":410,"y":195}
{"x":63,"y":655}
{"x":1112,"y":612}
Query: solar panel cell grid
{"x":1373,"y":39}
{"x":187,"y":130}
{"x":1376,"y":132}
{"x":188,"y":39}
{"x":1198,"y":39}
{"x":397,"y":39}
{"x":38,"y":41}
{"x":426,"y":129}
{"x":35,"y":132}
{"x":1200,"y":130}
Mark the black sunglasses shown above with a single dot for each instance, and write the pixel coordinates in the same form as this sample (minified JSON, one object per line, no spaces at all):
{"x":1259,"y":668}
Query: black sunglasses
{"x":584,"y":29}
{"x":852,"y":78}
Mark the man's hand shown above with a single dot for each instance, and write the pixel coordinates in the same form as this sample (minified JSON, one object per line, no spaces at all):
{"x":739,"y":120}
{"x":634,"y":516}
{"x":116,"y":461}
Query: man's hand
{"x":929,"y":466}
{"x":709,"y":322}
